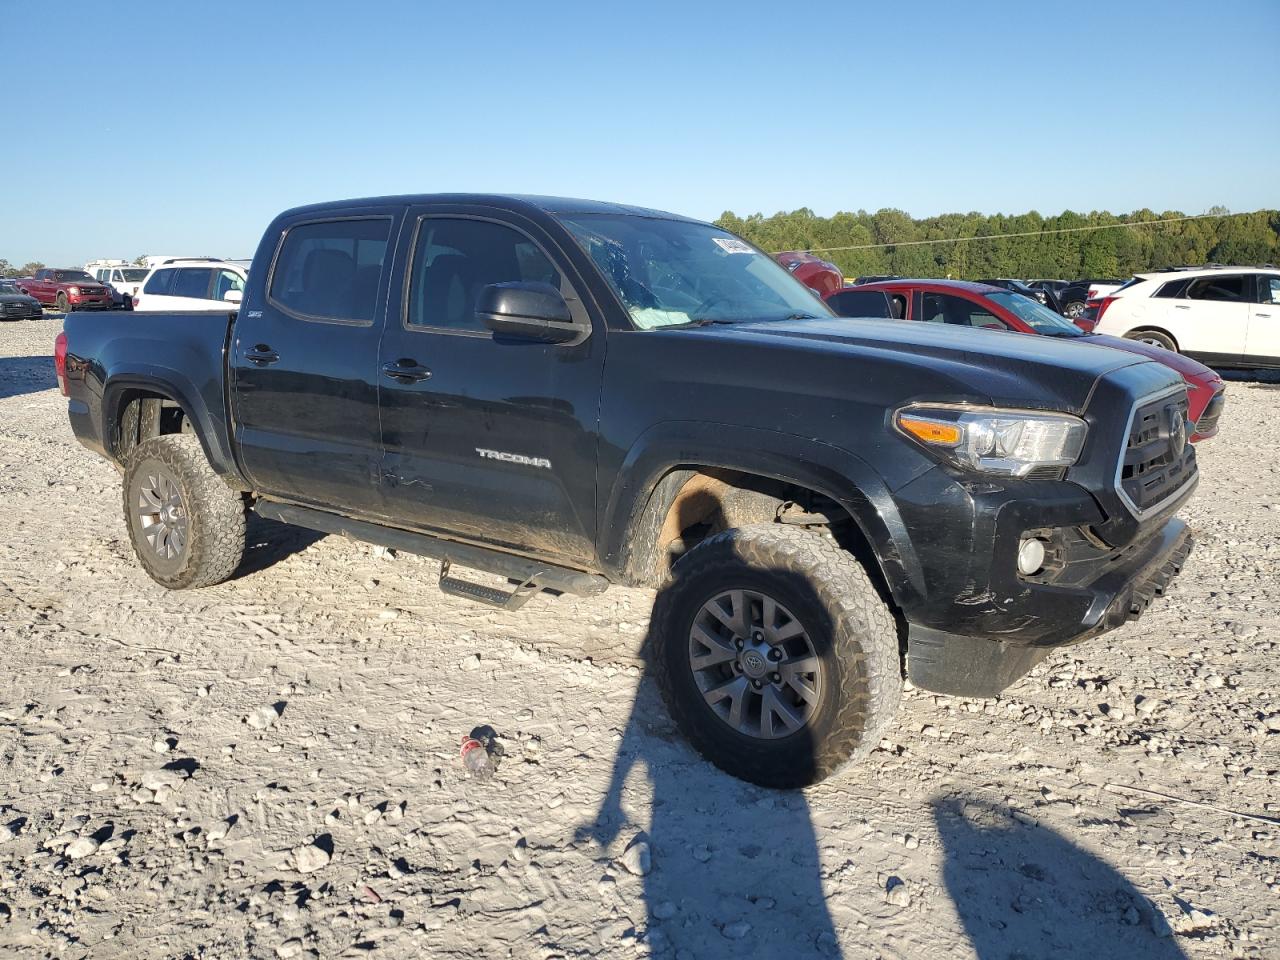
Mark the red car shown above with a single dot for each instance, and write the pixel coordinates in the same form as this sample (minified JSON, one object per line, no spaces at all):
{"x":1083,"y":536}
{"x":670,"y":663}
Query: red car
{"x":814,"y":272}
{"x":67,"y":290}
{"x":991,"y":308}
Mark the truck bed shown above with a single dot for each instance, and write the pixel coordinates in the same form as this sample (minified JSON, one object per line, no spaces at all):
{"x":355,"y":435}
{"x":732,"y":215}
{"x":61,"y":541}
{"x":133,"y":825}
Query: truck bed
{"x":184,"y":351}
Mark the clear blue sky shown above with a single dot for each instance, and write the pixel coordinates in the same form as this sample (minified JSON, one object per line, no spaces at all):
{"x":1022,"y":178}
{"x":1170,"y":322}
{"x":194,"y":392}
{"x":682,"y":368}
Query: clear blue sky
{"x":174,"y":127}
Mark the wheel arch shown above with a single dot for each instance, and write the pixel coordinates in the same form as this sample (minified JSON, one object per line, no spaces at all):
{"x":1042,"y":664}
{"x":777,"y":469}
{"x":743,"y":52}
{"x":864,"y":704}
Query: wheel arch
{"x":134,"y":405}
{"x":1152,"y":328}
{"x":663,"y":470}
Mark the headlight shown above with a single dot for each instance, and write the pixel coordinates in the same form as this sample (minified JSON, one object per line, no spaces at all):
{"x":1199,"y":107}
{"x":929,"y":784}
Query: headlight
{"x":1010,"y":443}
{"x":74,"y":291}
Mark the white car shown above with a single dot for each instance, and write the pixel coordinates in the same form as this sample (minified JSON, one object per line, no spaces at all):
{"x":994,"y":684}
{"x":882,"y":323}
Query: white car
{"x":1222,"y":316}
{"x":192,"y":283}
{"x":123,"y":277}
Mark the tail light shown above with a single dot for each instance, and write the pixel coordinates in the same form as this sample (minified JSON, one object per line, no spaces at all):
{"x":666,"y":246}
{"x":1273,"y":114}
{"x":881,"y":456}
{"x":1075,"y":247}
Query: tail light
{"x":60,"y":362}
{"x":1102,"y":308}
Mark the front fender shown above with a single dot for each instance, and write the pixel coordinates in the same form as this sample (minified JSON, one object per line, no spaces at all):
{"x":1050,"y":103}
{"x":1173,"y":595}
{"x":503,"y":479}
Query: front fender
{"x":642,"y":494}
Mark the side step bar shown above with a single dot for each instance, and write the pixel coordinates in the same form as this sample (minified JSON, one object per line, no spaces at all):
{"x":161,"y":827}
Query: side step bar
{"x":531,"y":575}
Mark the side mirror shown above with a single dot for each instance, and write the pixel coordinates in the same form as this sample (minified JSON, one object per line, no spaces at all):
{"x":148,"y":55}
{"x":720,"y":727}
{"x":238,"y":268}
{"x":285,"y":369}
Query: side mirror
{"x":527,"y":311}
{"x":233,"y":296}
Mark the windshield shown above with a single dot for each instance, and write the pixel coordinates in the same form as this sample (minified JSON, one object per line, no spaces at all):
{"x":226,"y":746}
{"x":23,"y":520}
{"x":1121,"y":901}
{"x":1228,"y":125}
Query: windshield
{"x":73,"y":276}
{"x":8,"y":287}
{"x":673,"y":273}
{"x":1040,"y":319}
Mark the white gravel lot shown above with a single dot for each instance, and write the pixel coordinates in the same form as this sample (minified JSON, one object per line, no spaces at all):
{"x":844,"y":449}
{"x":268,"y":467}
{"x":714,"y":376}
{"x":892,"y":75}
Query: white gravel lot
{"x":151,"y":807}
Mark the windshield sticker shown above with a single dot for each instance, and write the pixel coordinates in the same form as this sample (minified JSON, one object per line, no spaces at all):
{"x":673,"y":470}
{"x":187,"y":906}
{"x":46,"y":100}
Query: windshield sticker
{"x":731,"y":245}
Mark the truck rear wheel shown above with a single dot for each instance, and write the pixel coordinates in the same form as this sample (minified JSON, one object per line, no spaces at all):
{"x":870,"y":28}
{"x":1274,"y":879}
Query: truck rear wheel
{"x":186,"y":525}
{"x":775,"y":654}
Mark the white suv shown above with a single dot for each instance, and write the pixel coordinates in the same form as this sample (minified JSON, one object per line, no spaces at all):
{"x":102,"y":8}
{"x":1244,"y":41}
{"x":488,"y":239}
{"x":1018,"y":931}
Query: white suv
{"x":1222,"y":316}
{"x":195,"y":283}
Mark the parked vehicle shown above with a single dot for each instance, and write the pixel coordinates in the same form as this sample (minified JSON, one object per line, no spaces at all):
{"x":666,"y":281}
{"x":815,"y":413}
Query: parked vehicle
{"x":1075,"y":296}
{"x":857,"y":302}
{"x":1039,"y":295}
{"x":966,"y":304}
{"x":1223,"y":316}
{"x":874,"y":279}
{"x":124,"y":279}
{"x":429,"y":373}
{"x":195,"y":283}
{"x":16,"y":305}
{"x":814,"y":272}
{"x":67,"y":289}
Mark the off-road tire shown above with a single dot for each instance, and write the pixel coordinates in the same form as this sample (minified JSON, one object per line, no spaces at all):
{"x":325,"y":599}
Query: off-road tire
{"x":1154,"y":337}
{"x":215,"y":514}
{"x":851,"y":627}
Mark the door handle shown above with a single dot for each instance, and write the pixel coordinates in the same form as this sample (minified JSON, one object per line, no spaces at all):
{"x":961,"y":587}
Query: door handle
{"x":406,"y":371}
{"x":1262,"y":314}
{"x":261,"y":354}
{"x":1181,"y":306}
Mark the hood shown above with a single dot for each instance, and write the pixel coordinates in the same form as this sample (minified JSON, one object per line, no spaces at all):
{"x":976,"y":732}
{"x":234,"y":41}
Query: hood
{"x":961,"y":363}
{"x":17,"y":298}
{"x":1188,"y":369}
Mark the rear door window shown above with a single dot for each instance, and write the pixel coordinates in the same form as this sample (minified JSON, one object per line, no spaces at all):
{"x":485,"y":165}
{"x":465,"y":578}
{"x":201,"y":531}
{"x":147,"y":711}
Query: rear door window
{"x":1228,"y":288}
{"x":859,"y":303}
{"x":192,"y":282}
{"x":944,"y":308}
{"x":331,"y":270}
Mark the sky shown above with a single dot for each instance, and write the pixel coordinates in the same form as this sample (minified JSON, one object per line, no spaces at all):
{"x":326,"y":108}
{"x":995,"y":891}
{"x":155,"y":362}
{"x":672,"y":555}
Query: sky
{"x":183,"y":128}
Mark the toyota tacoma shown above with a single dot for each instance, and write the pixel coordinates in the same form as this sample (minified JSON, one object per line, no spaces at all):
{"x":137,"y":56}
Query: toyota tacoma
{"x":570,"y":394}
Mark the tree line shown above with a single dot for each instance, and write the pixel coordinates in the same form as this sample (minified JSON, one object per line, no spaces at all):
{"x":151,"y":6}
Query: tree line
{"x":1124,"y":247}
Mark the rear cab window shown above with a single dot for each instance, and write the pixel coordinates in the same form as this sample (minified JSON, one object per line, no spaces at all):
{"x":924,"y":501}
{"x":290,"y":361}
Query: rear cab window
{"x":331,"y":270}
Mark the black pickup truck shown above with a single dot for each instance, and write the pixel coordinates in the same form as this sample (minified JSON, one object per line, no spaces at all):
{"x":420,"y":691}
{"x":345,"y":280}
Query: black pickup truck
{"x":570,"y":394}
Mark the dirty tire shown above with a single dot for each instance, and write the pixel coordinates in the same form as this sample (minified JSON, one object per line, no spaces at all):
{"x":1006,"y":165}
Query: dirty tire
{"x":215,"y":514}
{"x":63,"y":304}
{"x":851,"y":628}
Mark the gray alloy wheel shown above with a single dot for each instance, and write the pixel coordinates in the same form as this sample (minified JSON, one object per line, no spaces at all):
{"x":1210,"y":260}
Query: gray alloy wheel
{"x":1153,"y":337}
{"x":1074,"y":310}
{"x":161,"y":514}
{"x":755,"y":665}
{"x":63,"y":304}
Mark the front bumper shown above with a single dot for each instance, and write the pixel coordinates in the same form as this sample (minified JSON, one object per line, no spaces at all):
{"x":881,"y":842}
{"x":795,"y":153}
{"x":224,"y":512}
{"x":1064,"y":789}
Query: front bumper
{"x":90,"y":303}
{"x":978,"y":625}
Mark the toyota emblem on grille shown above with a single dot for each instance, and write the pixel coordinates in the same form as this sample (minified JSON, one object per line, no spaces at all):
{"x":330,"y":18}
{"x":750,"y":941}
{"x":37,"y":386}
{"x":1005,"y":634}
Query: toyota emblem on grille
{"x":1177,"y":431}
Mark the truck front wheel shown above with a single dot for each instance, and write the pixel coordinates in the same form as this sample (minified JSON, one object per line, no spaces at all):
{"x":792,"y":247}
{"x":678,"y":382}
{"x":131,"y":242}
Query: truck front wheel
{"x":775,"y":654}
{"x":186,"y":525}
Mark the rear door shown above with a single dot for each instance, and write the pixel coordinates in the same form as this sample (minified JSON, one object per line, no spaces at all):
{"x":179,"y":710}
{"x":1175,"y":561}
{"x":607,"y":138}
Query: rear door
{"x":304,"y":361}
{"x":1262,"y":343}
{"x":486,"y":439}
{"x":1210,"y":321}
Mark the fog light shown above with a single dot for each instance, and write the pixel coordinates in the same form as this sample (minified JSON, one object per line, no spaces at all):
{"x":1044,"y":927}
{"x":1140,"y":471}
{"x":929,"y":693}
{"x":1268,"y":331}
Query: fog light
{"x":1030,"y":556}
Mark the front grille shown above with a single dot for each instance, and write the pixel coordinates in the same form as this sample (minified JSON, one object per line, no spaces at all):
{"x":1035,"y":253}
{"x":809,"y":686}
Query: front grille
{"x":1208,"y":421}
{"x":1158,"y":460}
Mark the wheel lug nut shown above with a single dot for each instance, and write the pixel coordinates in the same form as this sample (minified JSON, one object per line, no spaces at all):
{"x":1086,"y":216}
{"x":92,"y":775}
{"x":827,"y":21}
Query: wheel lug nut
{"x":739,"y":643}
{"x":757,"y":684}
{"x":757,"y":636}
{"x":775,"y":678}
{"x":775,"y":654}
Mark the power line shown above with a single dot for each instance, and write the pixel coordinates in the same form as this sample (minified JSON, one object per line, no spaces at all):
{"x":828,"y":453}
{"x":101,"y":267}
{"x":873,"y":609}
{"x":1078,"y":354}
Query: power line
{"x":1029,"y":233}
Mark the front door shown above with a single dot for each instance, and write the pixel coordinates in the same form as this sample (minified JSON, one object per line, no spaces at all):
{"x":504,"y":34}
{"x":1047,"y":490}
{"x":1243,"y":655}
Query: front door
{"x":486,"y":439}
{"x":305,"y":360}
{"x":1262,"y":344}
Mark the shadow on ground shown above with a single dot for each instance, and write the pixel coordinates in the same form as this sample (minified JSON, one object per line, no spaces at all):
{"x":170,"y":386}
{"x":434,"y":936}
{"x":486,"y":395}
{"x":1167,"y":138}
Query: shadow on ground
{"x":23,"y":375}
{"x":268,"y":542}
{"x":1024,"y":892}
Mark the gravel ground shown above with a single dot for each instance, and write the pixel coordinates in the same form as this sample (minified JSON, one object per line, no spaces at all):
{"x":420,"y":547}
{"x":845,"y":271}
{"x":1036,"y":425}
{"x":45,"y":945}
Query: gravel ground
{"x":270,"y":767}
